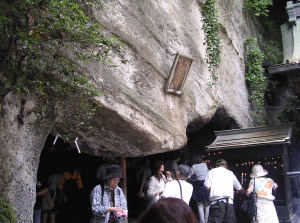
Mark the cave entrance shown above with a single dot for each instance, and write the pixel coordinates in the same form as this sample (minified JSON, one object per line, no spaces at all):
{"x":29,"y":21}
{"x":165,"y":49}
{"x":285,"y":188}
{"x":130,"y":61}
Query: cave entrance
{"x":199,"y":135}
{"x":61,"y":157}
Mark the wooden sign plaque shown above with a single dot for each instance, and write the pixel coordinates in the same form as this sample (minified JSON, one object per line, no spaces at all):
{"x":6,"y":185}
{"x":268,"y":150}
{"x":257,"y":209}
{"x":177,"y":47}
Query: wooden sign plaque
{"x":179,"y":73}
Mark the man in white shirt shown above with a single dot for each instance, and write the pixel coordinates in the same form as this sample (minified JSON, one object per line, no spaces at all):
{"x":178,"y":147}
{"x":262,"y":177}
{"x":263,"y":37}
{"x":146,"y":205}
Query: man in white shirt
{"x":180,"y":188}
{"x":221,"y":183}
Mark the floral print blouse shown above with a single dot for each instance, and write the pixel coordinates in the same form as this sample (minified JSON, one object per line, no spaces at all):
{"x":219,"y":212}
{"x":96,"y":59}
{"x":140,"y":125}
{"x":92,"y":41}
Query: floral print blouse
{"x":263,"y":187}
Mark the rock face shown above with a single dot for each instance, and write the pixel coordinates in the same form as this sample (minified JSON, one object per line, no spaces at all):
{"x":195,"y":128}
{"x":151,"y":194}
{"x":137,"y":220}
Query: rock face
{"x":137,"y":117}
{"x":20,"y":149}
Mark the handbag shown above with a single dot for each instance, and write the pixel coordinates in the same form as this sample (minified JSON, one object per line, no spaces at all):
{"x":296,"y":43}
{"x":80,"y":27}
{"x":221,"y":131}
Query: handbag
{"x":249,"y":206}
{"x":48,"y":201}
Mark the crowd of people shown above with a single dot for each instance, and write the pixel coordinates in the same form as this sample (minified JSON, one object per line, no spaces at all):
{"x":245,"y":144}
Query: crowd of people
{"x":166,"y":189}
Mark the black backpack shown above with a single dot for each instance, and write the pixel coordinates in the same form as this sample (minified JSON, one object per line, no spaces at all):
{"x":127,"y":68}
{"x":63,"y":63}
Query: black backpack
{"x":71,"y":189}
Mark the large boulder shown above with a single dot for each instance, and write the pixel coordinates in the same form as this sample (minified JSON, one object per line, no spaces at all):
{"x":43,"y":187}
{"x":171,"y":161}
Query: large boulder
{"x":137,"y":116}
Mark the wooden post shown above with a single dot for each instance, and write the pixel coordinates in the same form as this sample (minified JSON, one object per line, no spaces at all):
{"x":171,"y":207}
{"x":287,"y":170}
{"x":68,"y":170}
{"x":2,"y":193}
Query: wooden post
{"x":287,"y":180}
{"x":124,"y":185}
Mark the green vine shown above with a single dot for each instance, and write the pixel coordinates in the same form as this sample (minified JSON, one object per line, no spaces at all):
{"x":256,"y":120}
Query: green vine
{"x":44,"y":48}
{"x":6,"y":212}
{"x":211,"y":27}
{"x":255,"y":78}
{"x":260,"y":7}
{"x":45,"y":43}
{"x":272,"y":55}
{"x":290,"y":111}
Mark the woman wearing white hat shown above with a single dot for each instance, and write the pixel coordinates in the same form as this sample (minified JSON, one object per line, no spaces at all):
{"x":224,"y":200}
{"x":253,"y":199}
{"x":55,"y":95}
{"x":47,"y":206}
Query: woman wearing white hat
{"x":266,"y":212}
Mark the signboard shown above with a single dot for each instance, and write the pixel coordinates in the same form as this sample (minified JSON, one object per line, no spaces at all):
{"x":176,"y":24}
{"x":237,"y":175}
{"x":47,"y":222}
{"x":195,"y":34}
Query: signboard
{"x":178,"y":75}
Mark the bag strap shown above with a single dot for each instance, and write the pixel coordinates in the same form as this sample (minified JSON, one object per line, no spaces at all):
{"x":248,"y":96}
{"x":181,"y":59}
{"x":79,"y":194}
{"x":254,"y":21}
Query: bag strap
{"x":255,"y":216}
{"x":180,"y":189}
{"x":54,"y":195}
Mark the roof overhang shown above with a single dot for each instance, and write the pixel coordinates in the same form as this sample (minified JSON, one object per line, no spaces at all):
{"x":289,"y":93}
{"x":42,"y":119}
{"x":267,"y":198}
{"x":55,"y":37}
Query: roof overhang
{"x":285,"y":69}
{"x":257,"y":136}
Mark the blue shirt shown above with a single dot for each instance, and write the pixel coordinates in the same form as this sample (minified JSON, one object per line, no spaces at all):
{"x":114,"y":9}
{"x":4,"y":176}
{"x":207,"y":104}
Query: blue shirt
{"x":200,"y":170}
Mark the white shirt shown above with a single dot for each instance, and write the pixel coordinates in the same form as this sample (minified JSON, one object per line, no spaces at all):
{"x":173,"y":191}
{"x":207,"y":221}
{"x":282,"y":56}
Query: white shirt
{"x":200,"y":170}
{"x":173,"y":190}
{"x":156,"y":186}
{"x":222,"y":183}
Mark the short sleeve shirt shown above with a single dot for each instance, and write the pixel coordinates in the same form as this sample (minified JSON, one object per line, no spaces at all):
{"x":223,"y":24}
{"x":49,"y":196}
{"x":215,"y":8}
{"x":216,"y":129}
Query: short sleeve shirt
{"x":66,"y":176}
{"x":53,"y":182}
{"x":263,"y":187}
{"x":222,"y":183}
{"x":173,"y":190}
{"x":200,"y":170}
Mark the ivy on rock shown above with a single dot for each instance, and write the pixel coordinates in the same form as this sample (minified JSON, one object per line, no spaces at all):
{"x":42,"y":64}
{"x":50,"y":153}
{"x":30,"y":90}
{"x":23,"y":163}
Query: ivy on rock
{"x":255,"y":78}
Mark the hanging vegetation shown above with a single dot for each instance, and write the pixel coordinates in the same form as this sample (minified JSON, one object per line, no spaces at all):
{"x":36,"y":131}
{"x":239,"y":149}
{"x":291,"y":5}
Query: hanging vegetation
{"x":44,"y":42}
{"x":255,"y":78}
{"x":211,"y":27}
{"x":44,"y":46}
{"x":259,"y":7}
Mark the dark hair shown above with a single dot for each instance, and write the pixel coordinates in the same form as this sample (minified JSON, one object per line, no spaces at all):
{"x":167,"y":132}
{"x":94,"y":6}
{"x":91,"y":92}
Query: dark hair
{"x":156,"y":168}
{"x":168,"y":210}
{"x":197,"y":159}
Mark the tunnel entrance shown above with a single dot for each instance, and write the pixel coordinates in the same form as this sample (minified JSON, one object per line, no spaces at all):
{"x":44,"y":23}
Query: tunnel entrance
{"x":60,"y":158}
{"x":199,"y":135}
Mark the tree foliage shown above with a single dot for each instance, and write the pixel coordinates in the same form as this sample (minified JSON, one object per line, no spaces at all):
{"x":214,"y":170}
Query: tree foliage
{"x":260,"y":7}
{"x":43,"y":43}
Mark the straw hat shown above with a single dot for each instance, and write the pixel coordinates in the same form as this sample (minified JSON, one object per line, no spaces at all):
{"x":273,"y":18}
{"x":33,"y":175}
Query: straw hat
{"x":258,"y":171}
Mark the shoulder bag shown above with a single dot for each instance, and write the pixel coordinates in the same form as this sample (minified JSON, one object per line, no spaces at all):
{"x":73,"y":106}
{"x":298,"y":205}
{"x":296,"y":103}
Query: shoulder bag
{"x":249,"y":206}
{"x":48,"y":201}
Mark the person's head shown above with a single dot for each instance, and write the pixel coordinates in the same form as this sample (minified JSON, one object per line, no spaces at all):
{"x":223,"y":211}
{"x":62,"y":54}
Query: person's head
{"x":183,"y":171}
{"x":221,"y":163}
{"x":168,"y":210}
{"x":158,"y":167}
{"x":258,"y":171}
{"x":197,"y":159}
{"x":113,"y":176}
{"x":109,"y":160}
{"x":147,"y":162}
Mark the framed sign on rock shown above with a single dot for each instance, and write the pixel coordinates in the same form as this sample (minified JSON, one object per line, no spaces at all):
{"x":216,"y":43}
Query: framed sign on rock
{"x":179,"y":73}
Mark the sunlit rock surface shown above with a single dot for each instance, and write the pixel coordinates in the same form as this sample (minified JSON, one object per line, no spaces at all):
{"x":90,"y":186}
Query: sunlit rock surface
{"x":137,"y":116}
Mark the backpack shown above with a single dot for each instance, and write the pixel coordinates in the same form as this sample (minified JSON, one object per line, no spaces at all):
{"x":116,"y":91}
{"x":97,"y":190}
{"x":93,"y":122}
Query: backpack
{"x":71,"y":189}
